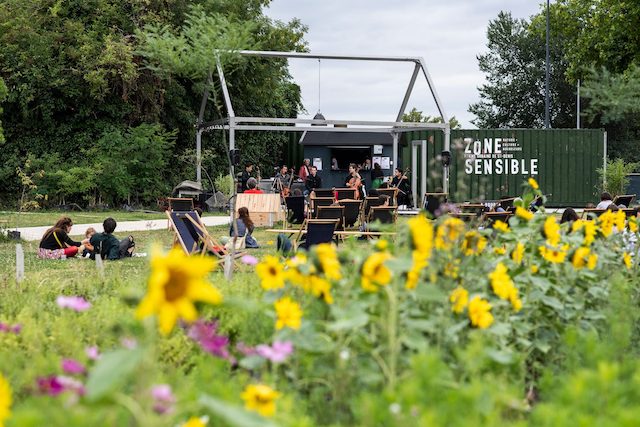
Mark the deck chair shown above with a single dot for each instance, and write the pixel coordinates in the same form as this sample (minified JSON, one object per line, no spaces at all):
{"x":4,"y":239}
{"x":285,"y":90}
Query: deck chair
{"x":392,"y":193}
{"x":316,"y":202}
{"x":629,"y":212}
{"x":384,"y":214}
{"x":182,"y":204}
{"x":345,"y":193}
{"x":475,"y":208}
{"x":625,"y":199}
{"x":589,"y":213}
{"x":465,"y":216}
{"x":492,"y":217}
{"x":332,"y":212}
{"x":368,"y":203}
{"x":317,"y":231}
{"x":351,"y":211}
{"x":324,"y":192}
{"x":506,"y":203}
{"x":295,"y":209}
{"x":432,"y":202}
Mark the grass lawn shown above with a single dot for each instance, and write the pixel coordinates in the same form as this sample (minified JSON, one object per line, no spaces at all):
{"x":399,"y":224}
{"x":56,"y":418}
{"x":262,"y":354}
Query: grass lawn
{"x":41,"y":218}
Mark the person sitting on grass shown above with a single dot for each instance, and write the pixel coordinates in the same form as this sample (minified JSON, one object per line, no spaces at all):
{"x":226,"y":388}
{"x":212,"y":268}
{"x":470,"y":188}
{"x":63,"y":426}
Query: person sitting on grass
{"x":245,"y":228}
{"x":88,"y":247}
{"x":56,"y":243}
{"x":108,"y":246}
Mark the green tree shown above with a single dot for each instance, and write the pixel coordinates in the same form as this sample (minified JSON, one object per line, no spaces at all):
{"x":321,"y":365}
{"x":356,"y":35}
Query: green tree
{"x":415,"y":116}
{"x":513,"y":96}
{"x":3,"y":95}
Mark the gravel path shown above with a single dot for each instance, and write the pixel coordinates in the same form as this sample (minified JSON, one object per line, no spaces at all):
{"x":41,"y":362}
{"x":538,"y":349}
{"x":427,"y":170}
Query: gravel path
{"x":35,"y":233}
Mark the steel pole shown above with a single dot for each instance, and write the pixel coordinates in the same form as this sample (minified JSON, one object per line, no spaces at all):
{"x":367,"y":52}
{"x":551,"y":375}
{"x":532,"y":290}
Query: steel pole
{"x":578,"y":107}
{"x":546,"y":80}
{"x":199,"y":156}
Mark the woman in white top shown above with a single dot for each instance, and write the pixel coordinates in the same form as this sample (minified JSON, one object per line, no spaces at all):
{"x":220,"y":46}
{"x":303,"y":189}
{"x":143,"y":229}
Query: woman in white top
{"x":605,"y":201}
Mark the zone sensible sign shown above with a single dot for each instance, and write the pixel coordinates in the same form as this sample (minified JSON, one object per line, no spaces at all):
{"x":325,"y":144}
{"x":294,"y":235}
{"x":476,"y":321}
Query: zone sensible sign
{"x":496,"y":156}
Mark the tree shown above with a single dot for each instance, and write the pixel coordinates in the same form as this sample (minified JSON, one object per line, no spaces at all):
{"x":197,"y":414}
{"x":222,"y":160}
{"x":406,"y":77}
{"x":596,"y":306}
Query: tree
{"x":513,"y":96}
{"x":415,"y":116}
{"x":3,"y":95}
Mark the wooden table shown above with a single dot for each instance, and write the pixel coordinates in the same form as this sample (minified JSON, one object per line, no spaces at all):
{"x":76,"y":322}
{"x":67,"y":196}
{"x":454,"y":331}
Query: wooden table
{"x":337,"y":233}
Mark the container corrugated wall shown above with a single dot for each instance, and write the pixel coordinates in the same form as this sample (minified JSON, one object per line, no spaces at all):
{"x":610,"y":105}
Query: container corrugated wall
{"x":565,"y":161}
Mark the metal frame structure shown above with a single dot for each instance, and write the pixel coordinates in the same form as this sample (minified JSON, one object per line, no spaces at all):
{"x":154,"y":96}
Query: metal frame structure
{"x":232,"y":123}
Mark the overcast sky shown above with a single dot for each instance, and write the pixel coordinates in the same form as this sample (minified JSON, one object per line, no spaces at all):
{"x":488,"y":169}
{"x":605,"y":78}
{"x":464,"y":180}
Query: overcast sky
{"x":447,"y":34}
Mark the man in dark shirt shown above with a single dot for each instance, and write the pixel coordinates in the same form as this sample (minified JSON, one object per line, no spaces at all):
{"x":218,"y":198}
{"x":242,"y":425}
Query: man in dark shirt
{"x":106,"y":244}
{"x":282,"y":179}
{"x":313,"y":181}
{"x":401,"y":182}
{"x":248,"y":168}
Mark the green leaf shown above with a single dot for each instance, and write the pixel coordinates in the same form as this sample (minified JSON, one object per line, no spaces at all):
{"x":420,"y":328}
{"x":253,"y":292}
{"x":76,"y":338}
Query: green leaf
{"x":552,"y":302}
{"x":111,"y":371}
{"x":354,"y":321}
{"x":234,"y":415}
{"x":252,"y":362}
{"x":502,"y":357}
{"x":542,"y":346}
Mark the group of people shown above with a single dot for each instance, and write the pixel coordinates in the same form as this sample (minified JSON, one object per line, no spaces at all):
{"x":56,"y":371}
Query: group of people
{"x":56,"y":243}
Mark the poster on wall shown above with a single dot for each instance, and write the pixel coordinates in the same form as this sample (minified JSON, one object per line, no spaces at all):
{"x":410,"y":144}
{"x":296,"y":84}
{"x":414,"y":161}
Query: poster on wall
{"x":385,"y":162}
{"x":377,"y":149}
{"x":317,"y":162}
{"x":376,"y":159}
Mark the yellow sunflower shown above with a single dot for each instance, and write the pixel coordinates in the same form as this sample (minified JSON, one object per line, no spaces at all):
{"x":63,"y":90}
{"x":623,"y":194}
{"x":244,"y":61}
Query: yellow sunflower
{"x":196,"y":422}
{"x":480,"y":313}
{"x":552,"y":230}
{"x":260,"y":398}
{"x":320,"y":288}
{"x":421,"y":234}
{"x":448,"y":233}
{"x":580,"y":257}
{"x":592,"y":261}
{"x":374,"y":273}
{"x":500,"y":250}
{"x":518,"y":253}
{"x":553,"y":255}
{"x":607,"y":221}
{"x":534,"y":269}
{"x":633,"y":224}
{"x":5,"y":400}
{"x":459,"y":299}
{"x":533,"y":183}
{"x":524,"y":213}
{"x":328,"y":260}
{"x":503,"y":286}
{"x":175,"y":283}
{"x":473,"y":243}
{"x":289,"y":313}
{"x":501,"y":226}
{"x":271,"y":273}
{"x":627,"y":260}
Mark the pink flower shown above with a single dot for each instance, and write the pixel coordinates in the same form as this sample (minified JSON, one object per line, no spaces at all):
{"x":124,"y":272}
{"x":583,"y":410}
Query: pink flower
{"x":92,"y":352}
{"x":15,"y":329}
{"x":163,"y":398}
{"x":73,"y":367}
{"x":277,"y":353}
{"x":249,"y":260}
{"x":73,"y":303}
{"x":54,"y":385}
{"x":245,"y":349}
{"x":204,"y":333}
{"x":71,"y":384}
{"x":129,"y":343}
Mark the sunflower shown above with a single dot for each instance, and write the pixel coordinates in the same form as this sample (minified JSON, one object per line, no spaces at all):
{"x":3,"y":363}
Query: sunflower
{"x":260,"y":398}
{"x":421,"y":234}
{"x":633,"y":224}
{"x":581,"y":257}
{"x":473,"y":243}
{"x":499,"y":250}
{"x":592,"y":261}
{"x":533,"y":183}
{"x":328,"y":260}
{"x":501,"y":226}
{"x":320,"y":288}
{"x":534,"y":269}
{"x":607,"y":221}
{"x":271,"y":273}
{"x":524,"y":213}
{"x":448,"y":233}
{"x":553,"y":255}
{"x":288,"y":312}
{"x":196,"y":422}
{"x":374,"y":273}
{"x":479,"y":313}
{"x":175,"y":283}
{"x":452,"y":269}
{"x":552,"y":230}
{"x":503,"y":286}
{"x":518,"y":253}
{"x":5,"y":400}
{"x":626,"y":258}
{"x":419,"y":263}
{"x":459,"y":299}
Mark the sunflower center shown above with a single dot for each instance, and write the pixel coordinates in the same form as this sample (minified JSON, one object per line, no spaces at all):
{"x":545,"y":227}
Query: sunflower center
{"x":272,"y":271}
{"x":176,"y":288}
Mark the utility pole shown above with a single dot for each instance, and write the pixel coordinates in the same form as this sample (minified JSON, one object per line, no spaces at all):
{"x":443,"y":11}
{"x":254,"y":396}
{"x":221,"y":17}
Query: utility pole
{"x":546,"y":82}
{"x":578,"y":106}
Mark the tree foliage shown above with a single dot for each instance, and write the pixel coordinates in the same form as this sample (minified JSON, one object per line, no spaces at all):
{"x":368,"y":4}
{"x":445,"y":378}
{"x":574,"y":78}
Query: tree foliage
{"x":415,"y":116}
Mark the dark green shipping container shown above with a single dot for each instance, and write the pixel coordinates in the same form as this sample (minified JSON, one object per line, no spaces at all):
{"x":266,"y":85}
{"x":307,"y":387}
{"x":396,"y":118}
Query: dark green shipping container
{"x":488,"y":164}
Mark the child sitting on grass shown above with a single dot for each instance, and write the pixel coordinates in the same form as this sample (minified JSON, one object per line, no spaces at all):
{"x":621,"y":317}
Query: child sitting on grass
{"x":108,"y":246}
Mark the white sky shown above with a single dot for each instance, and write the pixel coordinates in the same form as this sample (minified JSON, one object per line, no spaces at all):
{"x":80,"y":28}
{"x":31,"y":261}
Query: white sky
{"x":447,"y":34}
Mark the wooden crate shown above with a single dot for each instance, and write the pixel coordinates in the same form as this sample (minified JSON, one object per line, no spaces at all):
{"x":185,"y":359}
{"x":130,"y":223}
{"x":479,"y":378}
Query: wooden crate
{"x":265,"y":210}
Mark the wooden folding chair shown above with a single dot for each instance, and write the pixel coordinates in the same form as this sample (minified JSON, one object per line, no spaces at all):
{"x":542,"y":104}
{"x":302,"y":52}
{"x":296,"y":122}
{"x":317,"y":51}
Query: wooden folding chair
{"x":346,"y":193}
{"x":625,"y":199}
{"x":315,"y":231}
{"x":295,"y":209}
{"x":392,"y":192}
{"x":368,"y":203}
{"x":324,"y":192}
{"x":592,"y":213}
{"x":316,"y":202}
{"x":384,"y":214}
{"x":352,"y":210}
{"x":432,"y":202}
{"x":475,"y":208}
{"x":492,"y":217}
{"x":180,"y":204}
{"x":332,"y":212}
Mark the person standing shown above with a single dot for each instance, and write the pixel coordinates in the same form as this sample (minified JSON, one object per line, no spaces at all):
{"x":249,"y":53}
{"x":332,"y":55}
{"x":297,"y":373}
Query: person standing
{"x":246,"y":174}
{"x":304,"y":171}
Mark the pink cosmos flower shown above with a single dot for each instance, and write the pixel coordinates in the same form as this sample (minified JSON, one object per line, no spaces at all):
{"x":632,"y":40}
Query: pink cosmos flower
{"x":277,"y":352}
{"x":92,"y":352}
{"x":15,"y":329}
{"x":54,"y":385}
{"x":163,"y":398}
{"x":204,"y":333}
{"x":73,"y":303}
{"x":71,"y":384}
{"x":249,"y":260}
{"x":73,"y":367}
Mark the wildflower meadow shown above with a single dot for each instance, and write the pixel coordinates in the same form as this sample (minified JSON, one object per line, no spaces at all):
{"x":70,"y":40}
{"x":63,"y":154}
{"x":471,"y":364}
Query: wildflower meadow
{"x":529,"y":322}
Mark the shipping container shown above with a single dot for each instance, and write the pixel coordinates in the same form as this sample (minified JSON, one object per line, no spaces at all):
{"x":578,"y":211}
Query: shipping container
{"x":488,"y":164}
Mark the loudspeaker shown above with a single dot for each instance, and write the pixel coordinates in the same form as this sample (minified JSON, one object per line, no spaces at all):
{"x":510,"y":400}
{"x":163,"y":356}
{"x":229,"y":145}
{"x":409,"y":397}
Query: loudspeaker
{"x":234,"y":156}
{"x":446,"y":158}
